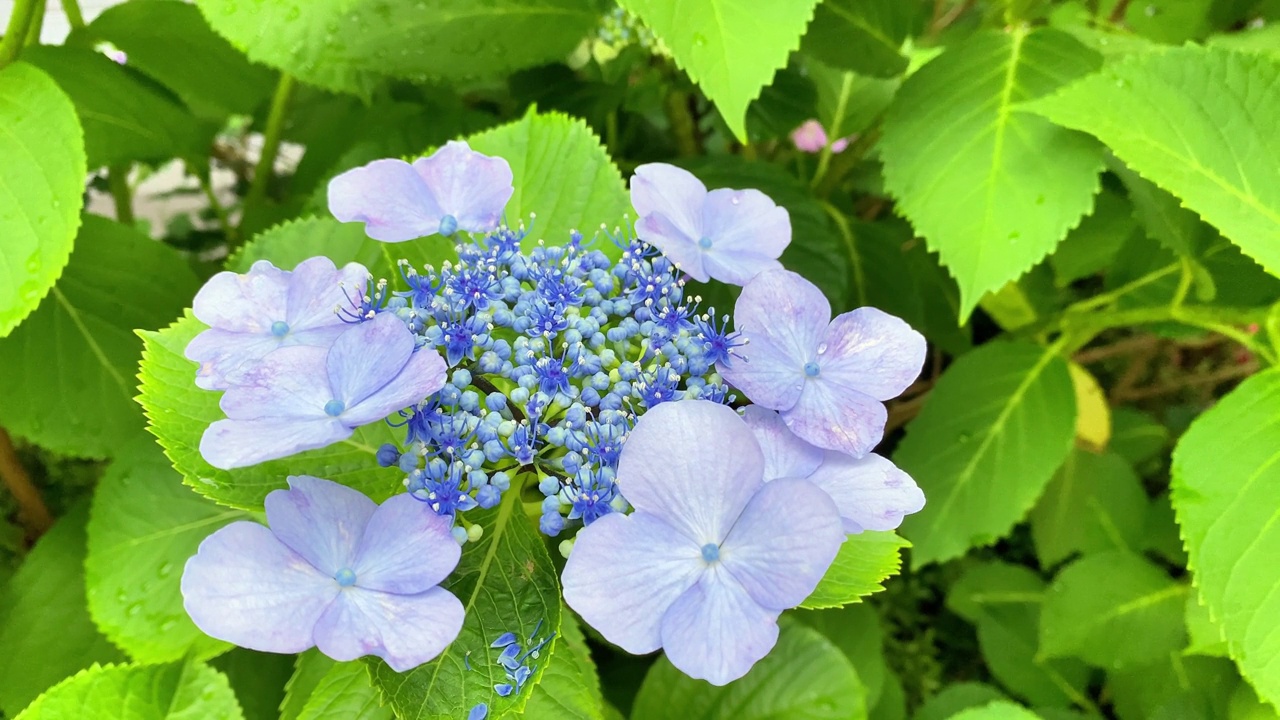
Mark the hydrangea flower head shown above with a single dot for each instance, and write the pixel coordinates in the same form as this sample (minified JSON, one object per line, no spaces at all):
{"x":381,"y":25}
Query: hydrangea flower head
{"x":712,"y":554}
{"x":455,"y":188}
{"x":728,"y":235}
{"x":251,"y":314}
{"x":335,"y":571}
{"x":870,"y":492}
{"x":300,"y":398}
{"x":828,"y":378}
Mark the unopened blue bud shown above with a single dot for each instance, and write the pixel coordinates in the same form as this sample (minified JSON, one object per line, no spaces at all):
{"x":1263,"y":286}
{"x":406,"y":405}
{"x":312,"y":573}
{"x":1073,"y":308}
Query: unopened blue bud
{"x":496,"y":401}
{"x":459,"y":535}
{"x":500,"y":481}
{"x":551,"y":524}
{"x":408,"y":462}
{"x":461,"y":378}
{"x":488,"y":496}
{"x":388,"y":455}
{"x":551,"y":503}
{"x":549,"y":486}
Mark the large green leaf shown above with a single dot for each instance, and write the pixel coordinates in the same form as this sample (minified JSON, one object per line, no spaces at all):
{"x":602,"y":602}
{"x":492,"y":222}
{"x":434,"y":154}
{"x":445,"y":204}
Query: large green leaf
{"x":345,"y":693}
{"x":1090,"y":247}
{"x":41,"y":180}
{"x":998,"y":710}
{"x":570,"y":688}
{"x":173,"y":43}
{"x":178,"y":413}
{"x":1094,"y":503}
{"x":309,"y":669}
{"x":258,"y":680}
{"x":855,"y":629}
{"x":45,"y":629}
{"x":1175,"y":687}
{"x":1193,"y":121}
{"x":1226,"y":492}
{"x":124,"y":118}
{"x":864,"y":36}
{"x":349,"y":45}
{"x":1113,"y":609}
{"x":994,"y":429}
{"x":562,"y":173}
{"x":991,"y":188}
{"x":69,"y":368}
{"x":139,"y":692}
{"x":864,"y":562}
{"x":143,"y":526}
{"x":730,"y":48}
{"x":957,"y":697}
{"x":804,"y":677}
{"x":507,"y":583}
{"x":289,"y":243}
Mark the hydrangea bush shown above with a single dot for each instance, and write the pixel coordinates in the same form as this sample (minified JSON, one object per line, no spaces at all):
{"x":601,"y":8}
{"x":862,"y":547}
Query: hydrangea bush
{"x":582,"y":360}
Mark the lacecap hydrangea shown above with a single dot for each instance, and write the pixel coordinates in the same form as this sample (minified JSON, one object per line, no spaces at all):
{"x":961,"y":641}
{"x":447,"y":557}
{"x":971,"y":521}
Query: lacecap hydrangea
{"x":701,"y":468}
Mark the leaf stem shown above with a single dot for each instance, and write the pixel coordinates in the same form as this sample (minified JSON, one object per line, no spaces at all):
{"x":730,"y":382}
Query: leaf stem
{"x":16,"y":32}
{"x":30,"y":506}
{"x":224,"y":220}
{"x":118,"y":184}
{"x":824,"y":157}
{"x":75,"y":18}
{"x":37,"y":24}
{"x":683,"y":126}
{"x":270,"y":145}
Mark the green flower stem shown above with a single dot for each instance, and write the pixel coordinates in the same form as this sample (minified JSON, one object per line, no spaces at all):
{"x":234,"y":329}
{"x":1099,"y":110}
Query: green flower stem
{"x":224,"y":220}
{"x":683,"y":125}
{"x":824,"y":158}
{"x":75,"y":18}
{"x":1225,"y":321}
{"x":850,"y":246}
{"x":37,"y":24}
{"x":270,"y":146}
{"x":16,"y":31}
{"x":118,"y":184}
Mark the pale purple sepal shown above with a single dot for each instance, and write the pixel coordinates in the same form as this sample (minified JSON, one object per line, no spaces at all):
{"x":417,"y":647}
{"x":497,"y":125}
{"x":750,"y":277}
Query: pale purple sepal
{"x":257,"y":587}
{"x":711,"y":555}
{"x":252,"y":314}
{"x":810,"y":137}
{"x":728,"y":235}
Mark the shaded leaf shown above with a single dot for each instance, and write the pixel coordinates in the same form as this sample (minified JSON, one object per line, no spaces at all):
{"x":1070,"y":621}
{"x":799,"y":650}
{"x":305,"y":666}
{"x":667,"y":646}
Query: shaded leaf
{"x":1093,"y":503}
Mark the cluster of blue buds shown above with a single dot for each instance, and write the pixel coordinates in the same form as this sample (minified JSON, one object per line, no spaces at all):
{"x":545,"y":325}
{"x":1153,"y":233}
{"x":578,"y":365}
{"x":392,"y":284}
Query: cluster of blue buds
{"x":552,"y":355}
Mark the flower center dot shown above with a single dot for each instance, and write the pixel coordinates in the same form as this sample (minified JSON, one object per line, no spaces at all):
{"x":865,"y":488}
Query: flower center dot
{"x":711,"y":552}
{"x":705,"y":243}
{"x":345,"y":577}
{"x":811,"y":369}
{"x":279,"y":328}
{"x":334,"y":408}
{"x":448,"y":225}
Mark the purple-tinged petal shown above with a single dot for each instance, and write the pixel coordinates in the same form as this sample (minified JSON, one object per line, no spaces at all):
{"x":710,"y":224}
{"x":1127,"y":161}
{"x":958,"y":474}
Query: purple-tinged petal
{"x":715,"y":631}
{"x":810,"y":137}
{"x":837,"y":417}
{"x":783,"y":543}
{"x":406,"y":548}
{"x":287,"y":383}
{"x":871,"y":493}
{"x":321,"y":520}
{"x":420,"y":378}
{"x":389,"y":197}
{"x":244,"y":303}
{"x":679,"y":248}
{"x":872,"y":351}
{"x":368,"y":356}
{"x":694,"y":464}
{"x":782,"y":317}
{"x":472,"y":187}
{"x":404,"y":630}
{"x":785,"y":455}
{"x":625,"y":571}
{"x":317,"y":289}
{"x":246,"y":587}
{"x":747,"y":232}
{"x":230,"y":444}
{"x":224,"y":355}
{"x":662,"y":189}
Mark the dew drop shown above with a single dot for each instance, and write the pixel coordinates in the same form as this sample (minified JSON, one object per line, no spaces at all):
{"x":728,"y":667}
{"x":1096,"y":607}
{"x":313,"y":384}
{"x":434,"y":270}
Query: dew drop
{"x":165,"y":570}
{"x":133,"y":610}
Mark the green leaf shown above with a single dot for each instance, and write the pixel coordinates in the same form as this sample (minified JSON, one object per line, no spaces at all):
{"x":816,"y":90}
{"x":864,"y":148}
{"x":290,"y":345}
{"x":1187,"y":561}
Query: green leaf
{"x":309,"y":669}
{"x":1161,"y":533}
{"x":998,"y":710}
{"x":1226,"y":488}
{"x":124,"y":119}
{"x":562,"y":173}
{"x":731,"y":49}
{"x":1163,"y":114}
{"x":291,"y":242}
{"x":43,"y":178}
{"x":855,"y":629}
{"x":1205,"y":636}
{"x":1003,"y":601}
{"x":864,"y":36}
{"x":345,"y":693}
{"x":1136,"y":436}
{"x":1176,"y":686}
{"x":991,"y":188}
{"x":143,"y":526}
{"x":864,"y":562}
{"x":1163,"y":216}
{"x":117,"y":280}
{"x":804,"y":677}
{"x":570,"y":688}
{"x":258,"y":680}
{"x":350,"y":45}
{"x":994,"y":429}
{"x":1093,"y":503}
{"x":1091,"y":247}
{"x":173,"y":43}
{"x":848,"y":102}
{"x":507,"y":583}
{"x":144,"y":692}
{"x":45,"y":628}
{"x":1113,"y":609}
{"x":955,"y":698}
{"x":178,"y":413}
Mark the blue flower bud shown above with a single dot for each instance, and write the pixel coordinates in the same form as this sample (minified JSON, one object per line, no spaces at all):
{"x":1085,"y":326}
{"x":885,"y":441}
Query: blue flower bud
{"x":500,"y":481}
{"x":388,"y":455}
{"x":496,"y":401}
{"x":488,"y":496}
{"x":551,"y":524}
{"x":460,"y":535}
{"x":549,"y":486}
{"x":493,"y":451}
{"x":408,"y":462}
{"x":461,"y":378}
